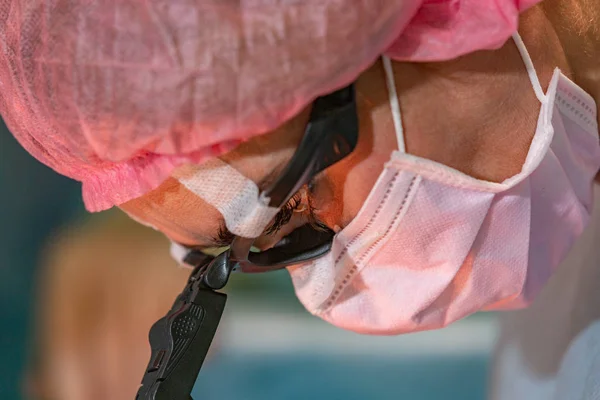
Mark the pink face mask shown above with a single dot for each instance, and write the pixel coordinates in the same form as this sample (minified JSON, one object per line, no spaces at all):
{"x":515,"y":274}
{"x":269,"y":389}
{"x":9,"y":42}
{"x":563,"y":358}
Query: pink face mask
{"x":432,"y":245}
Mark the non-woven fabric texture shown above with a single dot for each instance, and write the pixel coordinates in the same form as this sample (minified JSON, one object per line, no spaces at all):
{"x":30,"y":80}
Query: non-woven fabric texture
{"x":118,"y":93}
{"x":246,"y":212}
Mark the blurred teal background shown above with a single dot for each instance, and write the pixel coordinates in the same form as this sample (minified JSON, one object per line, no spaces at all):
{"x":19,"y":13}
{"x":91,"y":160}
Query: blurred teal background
{"x":271,"y":349}
{"x":268,"y":346}
{"x":34,"y":203}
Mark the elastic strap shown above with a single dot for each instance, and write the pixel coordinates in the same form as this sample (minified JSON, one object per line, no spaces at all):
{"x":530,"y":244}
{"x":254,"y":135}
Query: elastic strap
{"x":394,"y":103}
{"x":533,"y":76}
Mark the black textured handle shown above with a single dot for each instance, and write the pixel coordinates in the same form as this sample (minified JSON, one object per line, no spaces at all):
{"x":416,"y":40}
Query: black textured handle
{"x":180,"y":342}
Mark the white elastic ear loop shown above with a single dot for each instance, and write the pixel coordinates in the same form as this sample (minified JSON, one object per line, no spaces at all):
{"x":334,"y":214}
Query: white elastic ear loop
{"x":237,"y":198}
{"x":394,"y":103}
{"x":528,"y":61}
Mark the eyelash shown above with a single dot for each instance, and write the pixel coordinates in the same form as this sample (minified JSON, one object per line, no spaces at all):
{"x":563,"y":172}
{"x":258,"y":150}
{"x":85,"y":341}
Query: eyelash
{"x":287,"y":211}
{"x":283,"y":216}
{"x":224,"y":237}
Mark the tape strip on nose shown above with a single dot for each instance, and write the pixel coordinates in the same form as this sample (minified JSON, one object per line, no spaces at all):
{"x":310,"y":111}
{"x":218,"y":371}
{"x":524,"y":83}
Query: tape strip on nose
{"x":236,"y":197}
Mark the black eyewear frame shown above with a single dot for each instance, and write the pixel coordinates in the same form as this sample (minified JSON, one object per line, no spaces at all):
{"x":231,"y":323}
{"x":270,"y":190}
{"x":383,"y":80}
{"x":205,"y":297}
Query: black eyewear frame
{"x":181,"y":339}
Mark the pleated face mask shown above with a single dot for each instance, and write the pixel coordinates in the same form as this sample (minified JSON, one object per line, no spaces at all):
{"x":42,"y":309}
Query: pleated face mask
{"x":432,"y":245}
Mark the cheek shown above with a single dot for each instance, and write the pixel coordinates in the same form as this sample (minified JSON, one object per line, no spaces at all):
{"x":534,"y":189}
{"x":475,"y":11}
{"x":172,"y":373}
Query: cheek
{"x":358,"y":186}
{"x":327,"y":200}
{"x":345,"y":187}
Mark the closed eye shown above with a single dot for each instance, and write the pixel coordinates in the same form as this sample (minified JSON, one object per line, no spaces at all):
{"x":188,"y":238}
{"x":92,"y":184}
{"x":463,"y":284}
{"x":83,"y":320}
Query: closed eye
{"x":224,"y":237}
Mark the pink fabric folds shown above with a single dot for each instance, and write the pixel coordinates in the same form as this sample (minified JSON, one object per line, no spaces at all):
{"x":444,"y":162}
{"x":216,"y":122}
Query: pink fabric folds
{"x":117,"y":93}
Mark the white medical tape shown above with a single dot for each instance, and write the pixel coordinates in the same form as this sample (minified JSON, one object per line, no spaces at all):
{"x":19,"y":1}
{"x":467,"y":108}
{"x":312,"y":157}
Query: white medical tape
{"x":179,"y":253}
{"x":237,"y":198}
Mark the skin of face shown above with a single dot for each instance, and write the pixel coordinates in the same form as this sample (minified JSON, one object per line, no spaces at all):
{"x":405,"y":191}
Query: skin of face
{"x":476,"y":114}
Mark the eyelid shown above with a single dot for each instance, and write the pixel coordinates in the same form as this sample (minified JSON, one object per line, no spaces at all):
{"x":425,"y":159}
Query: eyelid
{"x":224,"y":236}
{"x":284,"y":215}
{"x":303,"y":199}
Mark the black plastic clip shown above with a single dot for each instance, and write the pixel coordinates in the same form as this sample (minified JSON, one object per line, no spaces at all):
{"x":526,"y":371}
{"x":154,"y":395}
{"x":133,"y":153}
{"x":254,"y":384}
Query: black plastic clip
{"x":181,"y":339}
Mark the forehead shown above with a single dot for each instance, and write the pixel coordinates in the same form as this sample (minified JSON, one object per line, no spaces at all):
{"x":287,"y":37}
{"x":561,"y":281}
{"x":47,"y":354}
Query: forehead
{"x":177,"y":212}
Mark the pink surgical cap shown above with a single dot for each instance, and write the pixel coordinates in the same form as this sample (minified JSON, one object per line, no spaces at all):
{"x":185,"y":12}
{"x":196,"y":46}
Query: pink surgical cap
{"x":117,"y":93}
